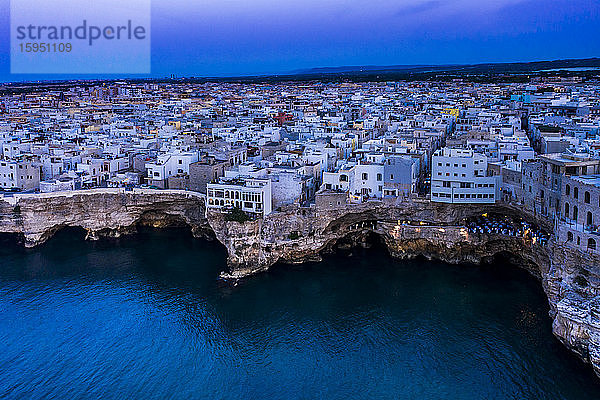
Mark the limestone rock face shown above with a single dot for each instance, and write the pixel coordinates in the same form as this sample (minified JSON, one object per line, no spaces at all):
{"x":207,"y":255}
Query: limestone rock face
{"x":101,"y":212}
{"x":572,"y":285}
{"x":570,"y":277}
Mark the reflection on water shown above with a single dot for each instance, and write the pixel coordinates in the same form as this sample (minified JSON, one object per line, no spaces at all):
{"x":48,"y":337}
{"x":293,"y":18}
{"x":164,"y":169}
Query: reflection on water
{"x":145,"y":317}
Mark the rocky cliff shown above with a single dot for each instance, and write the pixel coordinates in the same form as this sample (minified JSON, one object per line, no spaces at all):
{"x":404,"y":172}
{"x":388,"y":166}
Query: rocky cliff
{"x":102,"y":212}
{"x":570,"y":277}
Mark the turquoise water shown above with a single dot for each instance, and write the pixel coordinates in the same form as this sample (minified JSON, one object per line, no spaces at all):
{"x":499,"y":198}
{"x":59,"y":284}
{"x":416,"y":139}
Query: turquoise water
{"x":145,"y":318}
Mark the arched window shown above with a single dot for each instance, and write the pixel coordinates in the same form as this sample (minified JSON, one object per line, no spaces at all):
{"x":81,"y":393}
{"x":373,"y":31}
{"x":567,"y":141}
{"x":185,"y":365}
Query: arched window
{"x":568,"y":190}
{"x":575,"y":212}
{"x":591,"y":244}
{"x":586,"y":198}
{"x":566,"y":210}
{"x":569,"y":236}
{"x":589,"y":220}
{"x":576,"y":192}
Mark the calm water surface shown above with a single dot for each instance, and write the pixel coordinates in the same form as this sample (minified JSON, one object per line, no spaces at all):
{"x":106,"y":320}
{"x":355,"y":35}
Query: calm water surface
{"x":145,"y":318}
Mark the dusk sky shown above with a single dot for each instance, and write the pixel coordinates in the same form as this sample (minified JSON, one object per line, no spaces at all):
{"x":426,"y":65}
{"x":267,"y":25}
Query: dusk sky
{"x":242,"y":37}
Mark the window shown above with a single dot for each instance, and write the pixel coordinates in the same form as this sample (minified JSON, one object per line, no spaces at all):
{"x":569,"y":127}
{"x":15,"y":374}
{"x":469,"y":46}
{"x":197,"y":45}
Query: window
{"x":379,"y":177}
{"x":591,"y":244}
{"x":391,"y":177}
{"x":587,"y":197}
{"x":576,"y":193}
{"x":365,"y":176}
{"x":569,"y":237}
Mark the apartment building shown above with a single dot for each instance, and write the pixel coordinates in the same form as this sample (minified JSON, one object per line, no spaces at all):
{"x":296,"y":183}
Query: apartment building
{"x":209,"y":169}
{"x":543,"y":180}
{"x":168,"y":165}
{"x":579,"y":224}
{"x":460,"y":176}
{"x":251,"y":195}
{"x":21,"y":175}
{"x":361,"y":180}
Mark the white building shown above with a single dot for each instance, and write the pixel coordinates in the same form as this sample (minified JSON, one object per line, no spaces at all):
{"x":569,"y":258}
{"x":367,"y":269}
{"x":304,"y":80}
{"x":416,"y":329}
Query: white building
{"x":460,"y":176}
{"x":168,"y":165}
{"x":57,"y":185}
{"x":22,"y":175}
{"x":251,"y":195}
{"x":362,"y":181}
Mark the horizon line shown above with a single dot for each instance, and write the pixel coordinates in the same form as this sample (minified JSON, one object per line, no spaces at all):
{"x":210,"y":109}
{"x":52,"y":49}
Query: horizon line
{"x":320,"y":70}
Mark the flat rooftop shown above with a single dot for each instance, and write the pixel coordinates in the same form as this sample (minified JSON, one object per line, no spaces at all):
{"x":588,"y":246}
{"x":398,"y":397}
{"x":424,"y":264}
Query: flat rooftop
{"x":593,"y":180}
{"x":564,"y":159}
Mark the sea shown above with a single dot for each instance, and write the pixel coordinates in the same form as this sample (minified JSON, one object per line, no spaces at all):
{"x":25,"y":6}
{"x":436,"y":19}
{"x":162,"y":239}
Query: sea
{"x":147,"y":317}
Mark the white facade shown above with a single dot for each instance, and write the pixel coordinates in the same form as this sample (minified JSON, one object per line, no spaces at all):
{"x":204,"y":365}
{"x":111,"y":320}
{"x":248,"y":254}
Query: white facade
{"x":57,"y":185}
{"x":19,"y":175}
{"x":171,"y":164}
{"x":459,"y":176}
{"x":361,"y":181}
{"x":249,"y":194}
{"x":8,"y":175}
